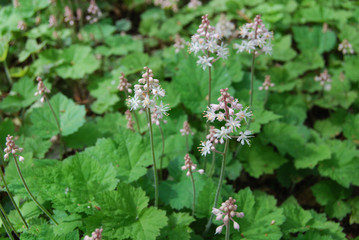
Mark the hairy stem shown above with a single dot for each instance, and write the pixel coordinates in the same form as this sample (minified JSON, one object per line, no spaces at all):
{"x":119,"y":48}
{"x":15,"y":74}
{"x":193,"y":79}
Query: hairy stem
{"x":29,"y":192}
{"x":163,"y":149}
{"x":12,"y":199}
{"x":137,"y":122}
{"x":194,"y":192}
{"x":153,"y":157}
{"x":208,"y":105}
{"x":227,"y":231}
{"x":187,"y":148}
{"x":252,"y":80}
{"x":218,"y":192}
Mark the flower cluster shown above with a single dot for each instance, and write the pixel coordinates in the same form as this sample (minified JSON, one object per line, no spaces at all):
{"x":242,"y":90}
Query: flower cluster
{"x":190,"y":166}
{"x":266,"y":84}
{"x":224,"y":28}
{"x":206,"y":42}
{"x":186,"y":130}
{"x":225,"y":213}
{"x":258,"y":37}
{"x":345,"y":47}
{"x":69,"y":16}
{"x":52,"y":21}
{"x":146,"y":95}
{"x":41,"y":89}
{"x":232,"y":114}
{"x":167,"y":4}
{"x":12,"y":148}
{"x":124,"y":85}
{"x":194,"y":4}
{"x":21,"y":25}
{"x":96,"y":235}
{"x":179,"y":43}
{"x":325,"y":80}
{"x":129,"y":120}
{"x":94,"y":12}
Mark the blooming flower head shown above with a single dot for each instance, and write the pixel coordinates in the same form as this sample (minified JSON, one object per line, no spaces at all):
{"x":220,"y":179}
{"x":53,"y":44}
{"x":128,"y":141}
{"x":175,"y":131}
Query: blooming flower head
{"x":69,"y":16}
{"x":147,"y":93}
{"x":41,"y":89}
{"x":52,"y":21}
{"x":94,"y":12}
{"x":186,"y":130}
{"x":226,"y":213}
{"x":12,"y":148}
{"x":190,"y":166}
{"x":21,"y":25}
{"x":194,"y":4}
{"x":124,"y":85}
{"x":325,"y":80}
{"x":206,"y":44}
{"x":96,"y":235}
{"x":266,"y":84}
{"x":167,"y":4}
{"x":257,"y":37}
{"x":179,"y":43}
{"x":231,"y":113}
{"x":244,"y":137}
{"x":224,"y":28}
{"x":345,"y":47}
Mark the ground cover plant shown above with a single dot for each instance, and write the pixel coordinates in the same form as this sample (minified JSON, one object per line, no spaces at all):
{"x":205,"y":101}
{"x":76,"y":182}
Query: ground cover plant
{"x":166,"y":119}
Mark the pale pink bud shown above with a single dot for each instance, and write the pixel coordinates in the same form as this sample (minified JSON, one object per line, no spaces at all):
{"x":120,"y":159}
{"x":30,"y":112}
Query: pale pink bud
{"x":21,"y":159}
{"x":201,"y":171}
{"x":219,"y":229}
{"x":235,"y":225}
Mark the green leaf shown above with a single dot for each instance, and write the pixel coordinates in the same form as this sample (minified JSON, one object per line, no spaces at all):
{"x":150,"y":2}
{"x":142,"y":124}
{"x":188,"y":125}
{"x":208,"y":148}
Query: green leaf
{"x":125,"y":214}
{"x":282,"y":50}
{"x":262,"y":219}
{"x":31,"y":47}
{"x":70,"y":116}
{"x":259,"y":159}
{"x":178,"y":227}
{"x":4,"y":47}
{"x":351,"y":128}
{"x":354,"y":217}
{"x":301,"y":64}
{"x":262,"y":117}
{"x":78,"y":61}
{"x":20,"y":96}
{"x":86,"y":136}
{"x":106,"y":95}
{"x":205,"y":199}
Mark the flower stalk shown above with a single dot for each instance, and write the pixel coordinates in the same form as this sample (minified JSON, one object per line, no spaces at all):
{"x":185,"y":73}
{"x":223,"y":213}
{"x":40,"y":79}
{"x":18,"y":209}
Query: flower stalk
{"x":7,"y":221}
{"x":6,"y":224}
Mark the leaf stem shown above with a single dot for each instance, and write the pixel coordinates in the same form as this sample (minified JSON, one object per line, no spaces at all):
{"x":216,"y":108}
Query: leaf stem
{"x":221,"y":177}
{"x":32,"y":196}
{"x":12,"y":199}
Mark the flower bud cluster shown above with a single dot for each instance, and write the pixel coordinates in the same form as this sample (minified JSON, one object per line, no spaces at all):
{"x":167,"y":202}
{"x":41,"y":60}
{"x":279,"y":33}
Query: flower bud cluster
{"x":325,"y":80}
{"x":146,"y":95}
{"x":266,"y":84}
{"x":21,"y":25}
{"x":129,"y":120}
{"x":94,"y":12}
{"x":206,"y":42}
{"x":190,"y":166}
{"x":186,"y":130}
{"x":167,"y":4}
{"x":69,"y":16}
{"x":41,"y":89}
{"x":226,"y":213}
{"x":345,"y":47}
{"x":224,"y":28}
{"x":12,"y":148}
{"x":258,"y":37}
{"x":52,"y":21}
{"x":96,"y":235}
{"x":232,"y":114}
{"x":179,"y":43}
{"x":124,"y":85}
{"x":194,"y":4}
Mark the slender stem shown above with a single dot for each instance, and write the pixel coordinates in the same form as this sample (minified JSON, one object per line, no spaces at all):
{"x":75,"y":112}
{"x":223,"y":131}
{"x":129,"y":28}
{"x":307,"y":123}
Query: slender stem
{"x":63,"y":149}
{"x":153,"y":157}
{"x":252,"y":80}
{"x":8,"y":220}
{"x":29,"y":192}
{"x":163,"y":149}
{"x":8,"y":76}
{"x":265,"y":98}
{"x":221,"y":177}
{"x":194,"y":192}
{"x":12,"y":199}
{"x":208,"y":105}
{"x":211,"y":171}
{"x":228,"y":228}
{"x":187,"y":148}
{"x":6,"y":226}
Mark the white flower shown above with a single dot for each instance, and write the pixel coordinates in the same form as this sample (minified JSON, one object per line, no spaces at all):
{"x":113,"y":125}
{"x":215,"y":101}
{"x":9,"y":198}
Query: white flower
{"x":162,"y":109}
{"x":210,"y":114}
{"x":244,"y":137}
{"x":222,"y":134}
{"x":233,"y":124}
{"x":134,"y":103}
{"x":243,"y":114}
{"x":205,"y":61}
{"x":222,"y":51}
{"x":205,"y":148}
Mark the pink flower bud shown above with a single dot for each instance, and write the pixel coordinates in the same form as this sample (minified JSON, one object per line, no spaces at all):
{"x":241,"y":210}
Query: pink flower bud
{"x":219,"y":229}
{"x":235,"y":225}
{"x":21,"y":159}
{"x":201,"y":171}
